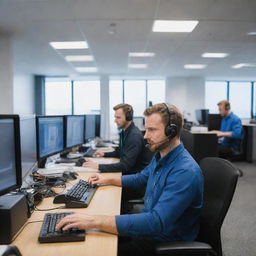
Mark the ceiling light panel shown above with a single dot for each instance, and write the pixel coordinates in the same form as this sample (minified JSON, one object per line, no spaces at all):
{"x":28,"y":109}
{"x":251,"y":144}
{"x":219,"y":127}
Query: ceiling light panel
{"x":138,"y":66}
{"x":69,"y":45}
{"x":73,"y":58}
{"x":86,"y":69}
{"x":214,"y":55}
{"x":194,"y":66}
{"x":141,"y":54}
{"x":178,"y":26}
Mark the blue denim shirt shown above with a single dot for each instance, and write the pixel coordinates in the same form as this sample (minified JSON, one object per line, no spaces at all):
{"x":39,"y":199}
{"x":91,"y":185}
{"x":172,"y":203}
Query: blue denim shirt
{"x":232,"y":123}
{"x":173,"y":199}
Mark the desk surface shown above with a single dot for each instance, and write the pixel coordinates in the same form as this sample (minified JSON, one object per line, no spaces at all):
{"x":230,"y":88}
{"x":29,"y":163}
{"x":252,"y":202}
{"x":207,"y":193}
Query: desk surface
{"x":106,"y":201}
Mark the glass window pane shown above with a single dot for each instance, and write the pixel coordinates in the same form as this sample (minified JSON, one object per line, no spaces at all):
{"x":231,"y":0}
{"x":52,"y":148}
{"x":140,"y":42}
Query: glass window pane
{"x":115,"y":97}
{"x":86,"y":97}
{"x":135,"y":95}
{"x":58,"y":98}
{"x":254,"y":100}
{"x":156,"y":91}
{"x":240,"y":98}
{"x":214,"y":92}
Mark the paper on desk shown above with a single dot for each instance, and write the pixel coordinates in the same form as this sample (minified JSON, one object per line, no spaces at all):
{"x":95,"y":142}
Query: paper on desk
{"x":84,"y":169}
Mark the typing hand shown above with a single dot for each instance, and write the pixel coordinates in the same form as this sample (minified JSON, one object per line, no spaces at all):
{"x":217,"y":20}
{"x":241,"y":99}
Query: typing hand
{"x":98,"y":179}
{"x":76,"y":221}
{"x":91,"y":164}
{"x":98,"y":154}
{"x":218,"y":133}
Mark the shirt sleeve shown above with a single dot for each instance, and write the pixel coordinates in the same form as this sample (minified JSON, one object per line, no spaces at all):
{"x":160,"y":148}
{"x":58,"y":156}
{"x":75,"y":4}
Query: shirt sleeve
{"x":114,"y":153}
{"x":131,"y":151}
{"x":177,"y":196}
{"x":237,"y":129}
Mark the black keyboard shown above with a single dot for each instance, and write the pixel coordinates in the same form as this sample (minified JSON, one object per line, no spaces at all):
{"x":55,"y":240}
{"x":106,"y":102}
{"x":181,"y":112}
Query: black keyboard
{"x":78,"y":196}
{"x":49,"y":234}
{"x":89,"y":152}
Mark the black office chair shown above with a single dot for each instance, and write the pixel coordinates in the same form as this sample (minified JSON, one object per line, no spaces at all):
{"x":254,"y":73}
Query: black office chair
{"x":220,"y":179}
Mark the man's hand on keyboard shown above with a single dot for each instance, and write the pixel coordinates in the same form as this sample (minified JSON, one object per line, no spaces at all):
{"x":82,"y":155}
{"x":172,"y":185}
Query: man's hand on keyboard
{"x":98,"y":179}
{"x":77,"y":220}
{"x":91,"y":164}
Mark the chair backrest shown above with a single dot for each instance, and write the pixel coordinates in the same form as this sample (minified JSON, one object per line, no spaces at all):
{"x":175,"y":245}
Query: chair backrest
{"x":220,"y":179}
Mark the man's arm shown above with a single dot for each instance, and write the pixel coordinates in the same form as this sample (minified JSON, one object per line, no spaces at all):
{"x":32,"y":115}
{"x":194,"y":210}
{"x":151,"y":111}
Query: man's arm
{"x":101,"y":222}
{"x":100,"y":179}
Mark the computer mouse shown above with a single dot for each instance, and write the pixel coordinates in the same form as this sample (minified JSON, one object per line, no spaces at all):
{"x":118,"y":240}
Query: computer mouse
{"x":80,"y":161}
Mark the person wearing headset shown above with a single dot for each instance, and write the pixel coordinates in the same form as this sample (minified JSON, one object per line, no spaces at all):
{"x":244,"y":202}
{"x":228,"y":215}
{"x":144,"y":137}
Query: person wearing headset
{"x":133,"y":154}
{"x":174,"y":191}
{"x":230,"y":133}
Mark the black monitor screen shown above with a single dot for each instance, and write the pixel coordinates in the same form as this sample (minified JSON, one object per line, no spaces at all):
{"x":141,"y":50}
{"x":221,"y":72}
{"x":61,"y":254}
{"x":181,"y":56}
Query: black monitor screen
{"x":214,"y":122}
{"x":50,"y":135}
{"x":10,"y":170}
{"x":28,"y":143}
{"x":90,"y":127}
{"x":201,"y":115}
{"x":97,"y":132}
{"x":74,"y":130}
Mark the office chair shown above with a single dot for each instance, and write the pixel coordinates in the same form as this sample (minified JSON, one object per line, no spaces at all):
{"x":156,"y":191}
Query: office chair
{"x":220,"y":179}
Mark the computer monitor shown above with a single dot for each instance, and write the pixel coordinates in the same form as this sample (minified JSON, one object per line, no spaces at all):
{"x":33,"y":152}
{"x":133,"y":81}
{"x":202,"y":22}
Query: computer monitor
{"x":10,"y":158}
{"x":50,"y":137}
{"x":214,"y":122}
{"x":97,"y":120}
{"x":74,"y":131}
{"x":201,"y":116}
{"x":90,"y":127}
{"x":28,"y":144}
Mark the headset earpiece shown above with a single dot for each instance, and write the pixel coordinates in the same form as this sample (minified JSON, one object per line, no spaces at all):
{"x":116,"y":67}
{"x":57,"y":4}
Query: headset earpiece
{"x":171,"y":128}
{"x":129,"y":114}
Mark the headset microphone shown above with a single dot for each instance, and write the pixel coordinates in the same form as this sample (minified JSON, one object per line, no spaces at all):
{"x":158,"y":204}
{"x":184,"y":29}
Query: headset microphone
{"x":159,"y":142}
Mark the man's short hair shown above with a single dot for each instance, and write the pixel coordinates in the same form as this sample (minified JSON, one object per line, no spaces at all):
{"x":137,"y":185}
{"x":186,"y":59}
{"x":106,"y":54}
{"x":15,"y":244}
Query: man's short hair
{"x":174,"y":116}
{"x":128,"y":110}
{"x":224,"y":103}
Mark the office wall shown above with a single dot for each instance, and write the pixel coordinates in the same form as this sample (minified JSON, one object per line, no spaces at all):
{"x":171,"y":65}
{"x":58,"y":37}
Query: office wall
{"x":24,"y":94}
{"x":6,"y":75}
{"x":187,"y":93}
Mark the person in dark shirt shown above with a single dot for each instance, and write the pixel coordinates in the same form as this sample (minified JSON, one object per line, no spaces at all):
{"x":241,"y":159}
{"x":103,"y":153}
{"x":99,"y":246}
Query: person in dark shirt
{"x":133,"y":154}
{"x":174,"y":191}
{"x":230,"y":133}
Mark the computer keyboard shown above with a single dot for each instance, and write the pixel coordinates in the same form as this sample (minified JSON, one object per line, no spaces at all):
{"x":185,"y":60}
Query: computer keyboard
{"x":78,"y":196}
{"x":89,"y":152}
{"x":49,"y":234}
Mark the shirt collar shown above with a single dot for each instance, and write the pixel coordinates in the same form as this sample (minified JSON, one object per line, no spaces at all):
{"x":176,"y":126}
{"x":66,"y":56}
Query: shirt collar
{"x":128,"y":129}
{"x":229,"y":116}
{"x":167,"y":159}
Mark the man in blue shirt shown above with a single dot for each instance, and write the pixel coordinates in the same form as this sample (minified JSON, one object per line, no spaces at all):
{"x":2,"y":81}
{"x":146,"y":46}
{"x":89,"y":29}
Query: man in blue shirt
{"x":173,"y":197}
{"x":230,"y":133}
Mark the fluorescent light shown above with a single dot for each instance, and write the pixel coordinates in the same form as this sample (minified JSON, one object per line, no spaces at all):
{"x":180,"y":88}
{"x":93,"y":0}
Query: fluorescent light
{"x":244,"y":65}
{"x":214,"y":55}
{"x":253,"y":33}
{"x":79,"y":58}
{"x":69,"y":45}
{"x":87,"y":69}
{"x":194,"y":66}
{"x":141,"y":54}
{"x":174,"y":25}
{"x":138,"y":66}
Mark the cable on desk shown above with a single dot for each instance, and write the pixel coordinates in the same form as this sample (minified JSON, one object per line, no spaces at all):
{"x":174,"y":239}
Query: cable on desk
{"x":50,"y":209}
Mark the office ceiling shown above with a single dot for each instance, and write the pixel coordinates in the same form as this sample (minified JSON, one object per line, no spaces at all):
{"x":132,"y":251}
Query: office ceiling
{"x":113,"y":28}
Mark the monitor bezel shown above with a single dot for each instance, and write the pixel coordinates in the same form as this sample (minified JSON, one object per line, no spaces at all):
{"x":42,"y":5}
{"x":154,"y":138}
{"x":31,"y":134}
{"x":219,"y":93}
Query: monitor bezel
{"x":65,"y":132}
{"x":18,"y":170}
{"x":40,"y":159}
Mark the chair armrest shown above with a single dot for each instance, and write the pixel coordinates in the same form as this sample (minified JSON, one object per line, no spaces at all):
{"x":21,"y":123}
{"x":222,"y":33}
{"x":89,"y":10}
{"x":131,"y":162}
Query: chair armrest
{"x":184,"y":248}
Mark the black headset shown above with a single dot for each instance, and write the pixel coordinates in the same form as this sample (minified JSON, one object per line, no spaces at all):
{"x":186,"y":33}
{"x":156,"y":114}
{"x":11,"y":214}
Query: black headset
{"x":129,"y":114}
{"x":171,"y":127}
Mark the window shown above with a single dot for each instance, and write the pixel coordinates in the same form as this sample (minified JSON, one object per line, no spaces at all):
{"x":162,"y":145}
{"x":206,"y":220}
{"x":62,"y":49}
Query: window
{"x":135,"y":95}
{"x":115,"y":97}
{"x":214,"y":92}
{"x":240,"y":98}
{"x":156,"y":91}
{"x":254,"y":100}
{"x":58,"y":98}
{"x":86,"y":97}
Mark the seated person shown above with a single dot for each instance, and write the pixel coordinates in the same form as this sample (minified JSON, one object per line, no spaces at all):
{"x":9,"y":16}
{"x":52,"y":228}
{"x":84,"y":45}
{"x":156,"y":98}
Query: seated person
{"x":134,"y":155}
{"x":174,"y":191}
{"x":230,"y":133}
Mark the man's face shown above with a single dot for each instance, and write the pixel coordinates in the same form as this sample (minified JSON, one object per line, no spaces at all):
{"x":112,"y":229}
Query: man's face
{"x":155,"y":132}
{"x":222,"y":110}
{"x":120,"y":119}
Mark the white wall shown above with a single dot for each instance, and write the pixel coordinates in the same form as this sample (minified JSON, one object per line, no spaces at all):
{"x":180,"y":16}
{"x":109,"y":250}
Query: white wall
{"x":6,"y":76}
{"x":187,"y":93}
{"x":24,"y":94}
